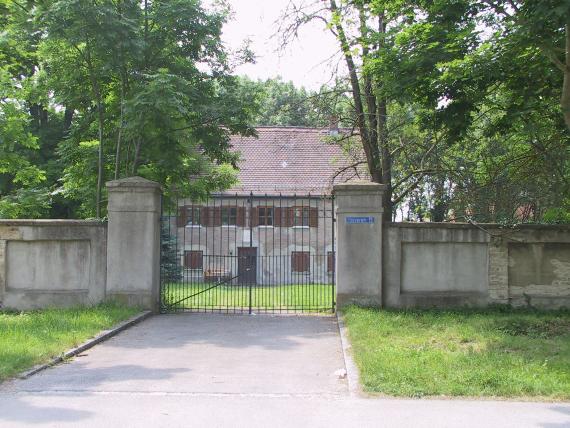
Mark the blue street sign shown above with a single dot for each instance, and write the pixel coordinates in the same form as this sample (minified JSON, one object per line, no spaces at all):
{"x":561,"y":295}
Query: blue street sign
{"x":359,"y":220}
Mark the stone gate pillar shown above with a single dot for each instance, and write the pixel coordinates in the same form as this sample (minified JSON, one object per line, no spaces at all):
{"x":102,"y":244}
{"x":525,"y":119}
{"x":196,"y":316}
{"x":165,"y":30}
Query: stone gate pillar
{"x":133,"y":242}
{"x":359,"y":243}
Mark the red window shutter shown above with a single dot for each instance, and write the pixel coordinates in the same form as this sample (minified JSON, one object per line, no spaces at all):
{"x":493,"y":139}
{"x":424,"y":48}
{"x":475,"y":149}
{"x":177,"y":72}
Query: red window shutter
{"x":294,"y":262}
{"x":313,"y":217}
{"x":196,"y":259}
{"x":217,"y":221}
{"x":181,"y":219}
{"x":300,"y":261}
{"x":193,"y":259}
{"x":205,"y":216}
{"x":253,"y":217}
{"x":240,"y":220}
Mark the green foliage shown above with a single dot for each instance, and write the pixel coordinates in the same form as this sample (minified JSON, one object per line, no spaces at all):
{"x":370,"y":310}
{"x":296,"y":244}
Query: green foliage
{"x":283,"y":104}
{"x":113,"y":89}
{"x":477,"y":77}
{"x":20,"y":179}
{"x":78,"y":182}
{"x":25,"y":203}
{"x":557,"y":215}
{"x":465,"y":96}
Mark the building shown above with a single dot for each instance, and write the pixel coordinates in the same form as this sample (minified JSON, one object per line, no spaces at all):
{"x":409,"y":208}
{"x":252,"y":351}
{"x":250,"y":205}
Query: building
{"x":276,"y":225}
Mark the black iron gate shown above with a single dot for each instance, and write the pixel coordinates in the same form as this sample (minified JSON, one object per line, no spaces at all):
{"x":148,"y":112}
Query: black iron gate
{"x":248,"y":253}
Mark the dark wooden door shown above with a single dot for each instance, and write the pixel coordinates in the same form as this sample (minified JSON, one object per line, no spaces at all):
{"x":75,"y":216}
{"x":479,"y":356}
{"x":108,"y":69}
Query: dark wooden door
{"x":247,"y":265}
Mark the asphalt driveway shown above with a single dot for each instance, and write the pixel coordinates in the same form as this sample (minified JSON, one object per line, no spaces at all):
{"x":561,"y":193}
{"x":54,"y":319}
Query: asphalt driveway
{"x":245,"y":371}
{"x":207,"y":353}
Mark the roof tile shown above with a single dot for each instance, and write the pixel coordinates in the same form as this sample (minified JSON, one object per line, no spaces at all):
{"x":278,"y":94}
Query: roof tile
{"x":290,"y":160}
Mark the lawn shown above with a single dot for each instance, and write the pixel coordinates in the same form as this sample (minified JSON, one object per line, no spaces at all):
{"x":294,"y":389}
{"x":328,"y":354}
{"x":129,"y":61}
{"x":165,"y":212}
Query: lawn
{"x":30,"y":338}
{"x":498,"y":352}
{"x":272,"y":298}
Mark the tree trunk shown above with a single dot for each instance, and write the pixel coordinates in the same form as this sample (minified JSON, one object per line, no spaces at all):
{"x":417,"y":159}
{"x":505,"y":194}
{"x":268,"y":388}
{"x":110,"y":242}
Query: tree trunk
{"x":439,"y":209}
{"x":118,"y":151}
{"x":370,"y":146}
{"x":67,"y":119}
{"x":383,"y":143}
{"x":39,"y":116}
{"x":123,"y":74}
{"x":386,"y":159}
{"x":99,"y":159}
{"x":136,"y":156}
{"x":565,"y":98}
{"x":100,"y":118}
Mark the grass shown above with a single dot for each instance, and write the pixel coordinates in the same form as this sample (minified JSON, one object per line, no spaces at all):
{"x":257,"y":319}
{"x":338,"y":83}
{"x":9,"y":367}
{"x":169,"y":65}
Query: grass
{"x":498,"y":352}
{"x":309,"y":297}
{"x":30,"y":338}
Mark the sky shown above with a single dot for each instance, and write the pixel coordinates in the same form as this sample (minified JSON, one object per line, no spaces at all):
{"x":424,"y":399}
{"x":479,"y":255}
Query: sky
{"x":306,"y":61}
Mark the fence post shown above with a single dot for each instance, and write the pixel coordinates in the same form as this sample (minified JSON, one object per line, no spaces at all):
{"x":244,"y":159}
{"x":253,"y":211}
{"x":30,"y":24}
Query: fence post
{"x":133,"y":242}
{"x":359,"y":249}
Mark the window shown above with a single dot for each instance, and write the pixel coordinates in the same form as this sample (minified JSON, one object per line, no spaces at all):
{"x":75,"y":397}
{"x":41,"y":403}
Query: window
{"x":301,"y":216}
{"x":193,"y":216}
{"x":265,"y":216}
{"x":300,"y":261}
{"x":193,"y":260}
{"x":229,"y":216}
{"x":330,"y":262}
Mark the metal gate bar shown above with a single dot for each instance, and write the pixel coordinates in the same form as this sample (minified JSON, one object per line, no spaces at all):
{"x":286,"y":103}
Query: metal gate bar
{"x":246,"y":253}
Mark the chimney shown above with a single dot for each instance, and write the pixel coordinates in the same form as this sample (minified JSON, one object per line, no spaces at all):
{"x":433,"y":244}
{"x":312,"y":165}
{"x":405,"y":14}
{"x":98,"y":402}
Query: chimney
{"x":333,"y":125}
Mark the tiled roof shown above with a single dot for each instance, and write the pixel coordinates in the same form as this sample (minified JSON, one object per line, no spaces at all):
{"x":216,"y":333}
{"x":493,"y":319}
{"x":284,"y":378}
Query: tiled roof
{"x":291,"y":160}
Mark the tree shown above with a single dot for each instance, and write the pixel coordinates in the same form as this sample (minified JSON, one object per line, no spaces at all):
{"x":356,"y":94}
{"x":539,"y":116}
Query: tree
{"x":283,"y":104}
{"x":455,"y":107}
{"x":492,"y":99}
{"x":147,"y":85}
{"x":542,"y":26}
{"x":351,"y":24}
{"x":170,"y":266}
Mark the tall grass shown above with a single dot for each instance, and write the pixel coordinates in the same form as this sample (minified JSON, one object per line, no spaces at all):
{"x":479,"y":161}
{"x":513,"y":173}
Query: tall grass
{"x":495,"y":352}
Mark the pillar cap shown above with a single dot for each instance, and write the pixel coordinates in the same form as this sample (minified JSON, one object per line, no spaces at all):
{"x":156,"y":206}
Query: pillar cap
{"x":359,"y":186}
{"x":132,"y":182}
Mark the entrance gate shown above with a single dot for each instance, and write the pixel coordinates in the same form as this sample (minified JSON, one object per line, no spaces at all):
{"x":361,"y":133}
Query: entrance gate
{"x":247,"y":253}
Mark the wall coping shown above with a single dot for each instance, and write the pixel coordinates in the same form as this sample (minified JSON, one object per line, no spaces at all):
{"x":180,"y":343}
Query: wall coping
{"x":51,"y":222}
{"x":359,"y":186}
{"x":132,"y":182}
{"x":494,"y":226}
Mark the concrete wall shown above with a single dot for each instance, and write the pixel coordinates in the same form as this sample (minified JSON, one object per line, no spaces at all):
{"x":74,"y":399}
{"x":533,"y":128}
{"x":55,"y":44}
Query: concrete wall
{"x":58,"y":263}
{"x":360,"y":231}
{"x":47,"y":263}
{"x":133,"y":252}
{"x":433,"y":264}
{"x":402,"y":265}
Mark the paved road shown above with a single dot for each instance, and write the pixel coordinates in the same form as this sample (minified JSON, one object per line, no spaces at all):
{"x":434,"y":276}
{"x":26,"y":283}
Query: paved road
{"x":237,"y":371}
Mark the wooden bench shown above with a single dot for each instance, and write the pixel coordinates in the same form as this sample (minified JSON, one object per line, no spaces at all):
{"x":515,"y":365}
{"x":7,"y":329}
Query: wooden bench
{"x":217,"y":275}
